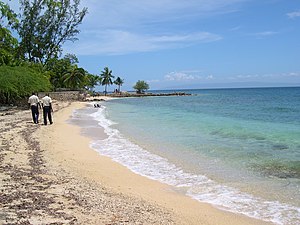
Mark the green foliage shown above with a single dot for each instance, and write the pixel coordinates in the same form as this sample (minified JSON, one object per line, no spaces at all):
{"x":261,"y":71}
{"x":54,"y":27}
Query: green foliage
{"x":91,"y":81}
{"x":71,"y":58}
{"x":75,"y":78}
{"x":106,"y":78}
{"x":57,"y":68}
{"x":9,"y":15}
{"x":64,"y":72}
{"x":46,"y":25}
{"x":19,"y":82}
{"x":8,"y":44}
{"x":119,"y":82}
{"x":141,"y":86}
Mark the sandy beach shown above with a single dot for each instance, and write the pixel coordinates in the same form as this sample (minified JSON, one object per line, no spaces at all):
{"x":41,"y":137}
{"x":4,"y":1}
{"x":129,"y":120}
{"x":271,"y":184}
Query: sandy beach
{"x":49,"y":175}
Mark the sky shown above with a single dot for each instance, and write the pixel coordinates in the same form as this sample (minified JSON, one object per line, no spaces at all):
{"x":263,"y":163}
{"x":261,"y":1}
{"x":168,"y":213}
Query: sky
{"x":182,"y":44}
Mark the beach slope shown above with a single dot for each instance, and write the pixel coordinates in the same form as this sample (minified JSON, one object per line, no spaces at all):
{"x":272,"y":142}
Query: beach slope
{"x":50,"y":175}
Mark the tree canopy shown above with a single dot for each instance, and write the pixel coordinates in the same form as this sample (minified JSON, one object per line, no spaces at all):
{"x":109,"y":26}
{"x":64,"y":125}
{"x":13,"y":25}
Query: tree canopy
{"x":141,"y":86}
{"x":9,"y":15}
{"x":91,"y":81}
{"x":75,"y":77}
{"x":31,"y":50}
{"x":45,"y":25}
{"x":8,"y":43}
{"x":31,"y":44}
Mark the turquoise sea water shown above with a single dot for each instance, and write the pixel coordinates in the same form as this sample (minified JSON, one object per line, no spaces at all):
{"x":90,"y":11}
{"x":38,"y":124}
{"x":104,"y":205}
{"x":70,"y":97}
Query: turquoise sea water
{"x":238,"y":149}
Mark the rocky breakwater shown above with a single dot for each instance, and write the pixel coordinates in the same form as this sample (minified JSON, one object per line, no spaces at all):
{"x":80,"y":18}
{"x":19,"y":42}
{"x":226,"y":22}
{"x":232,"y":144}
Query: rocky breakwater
{"x":129,"y":94}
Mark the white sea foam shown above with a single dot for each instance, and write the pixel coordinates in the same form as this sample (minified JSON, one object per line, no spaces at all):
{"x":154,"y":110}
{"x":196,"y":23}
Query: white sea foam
{"x":199,"y":187}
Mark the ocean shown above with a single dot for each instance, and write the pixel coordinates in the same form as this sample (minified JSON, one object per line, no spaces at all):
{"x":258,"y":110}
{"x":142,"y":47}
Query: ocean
{"x":237,"y":149}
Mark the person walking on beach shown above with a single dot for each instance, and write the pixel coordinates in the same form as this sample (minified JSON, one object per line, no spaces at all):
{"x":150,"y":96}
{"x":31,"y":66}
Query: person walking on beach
{"x":34,"y":104}
{"x":47,"y":109}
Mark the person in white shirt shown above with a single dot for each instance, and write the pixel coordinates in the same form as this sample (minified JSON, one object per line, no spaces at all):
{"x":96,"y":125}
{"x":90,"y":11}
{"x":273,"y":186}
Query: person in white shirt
{"x":47,"y":109}
{"x":34,"y":104}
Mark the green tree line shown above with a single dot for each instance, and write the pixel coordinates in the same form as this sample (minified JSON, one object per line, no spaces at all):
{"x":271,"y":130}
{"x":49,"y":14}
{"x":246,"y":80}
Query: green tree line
{"x":31,"y":50}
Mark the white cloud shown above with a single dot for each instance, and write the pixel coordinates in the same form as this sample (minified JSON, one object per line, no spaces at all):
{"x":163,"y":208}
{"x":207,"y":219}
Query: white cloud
{"x":123,"y":42}
{"x":111,"y":13}
{"x":185,"y":76}
{"x":292,"y":74}
{"x":127,"y":26}
{"x":123,"y":26}
{"x":282,"y":75}
{"x":153,"y":81}
{"x":179,"y":76}
{"x":293,"y":15}
{"x":265,"y":76}
{"x":264,"y":34}
{"x":246,"y":76}
{"x":235,"y":28}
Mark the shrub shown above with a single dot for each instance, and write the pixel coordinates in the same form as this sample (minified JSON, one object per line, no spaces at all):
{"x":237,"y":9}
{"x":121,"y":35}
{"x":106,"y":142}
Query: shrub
{"x":19,"y":82}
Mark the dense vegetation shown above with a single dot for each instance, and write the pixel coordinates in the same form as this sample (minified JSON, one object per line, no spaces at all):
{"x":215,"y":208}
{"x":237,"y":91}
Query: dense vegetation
{"x":31,"y":50}
{"x":17,"y":82}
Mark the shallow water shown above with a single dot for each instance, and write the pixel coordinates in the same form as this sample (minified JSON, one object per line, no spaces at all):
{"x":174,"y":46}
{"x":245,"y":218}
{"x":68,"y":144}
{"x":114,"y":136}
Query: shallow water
{"x":238,"y":149}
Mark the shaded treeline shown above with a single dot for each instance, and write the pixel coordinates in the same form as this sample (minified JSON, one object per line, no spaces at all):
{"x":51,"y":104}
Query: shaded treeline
{"x":31,"y":49}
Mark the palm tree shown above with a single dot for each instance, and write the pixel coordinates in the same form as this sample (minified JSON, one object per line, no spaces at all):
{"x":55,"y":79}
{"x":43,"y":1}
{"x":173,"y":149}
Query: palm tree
{"x":119,"y":82}
{"x":75,"y":77}
{"x":106,"y":78}
{"x":91,"y":81}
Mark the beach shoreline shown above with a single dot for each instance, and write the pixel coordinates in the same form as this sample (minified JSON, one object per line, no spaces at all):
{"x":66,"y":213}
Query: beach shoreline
{"x":93,"y":189}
